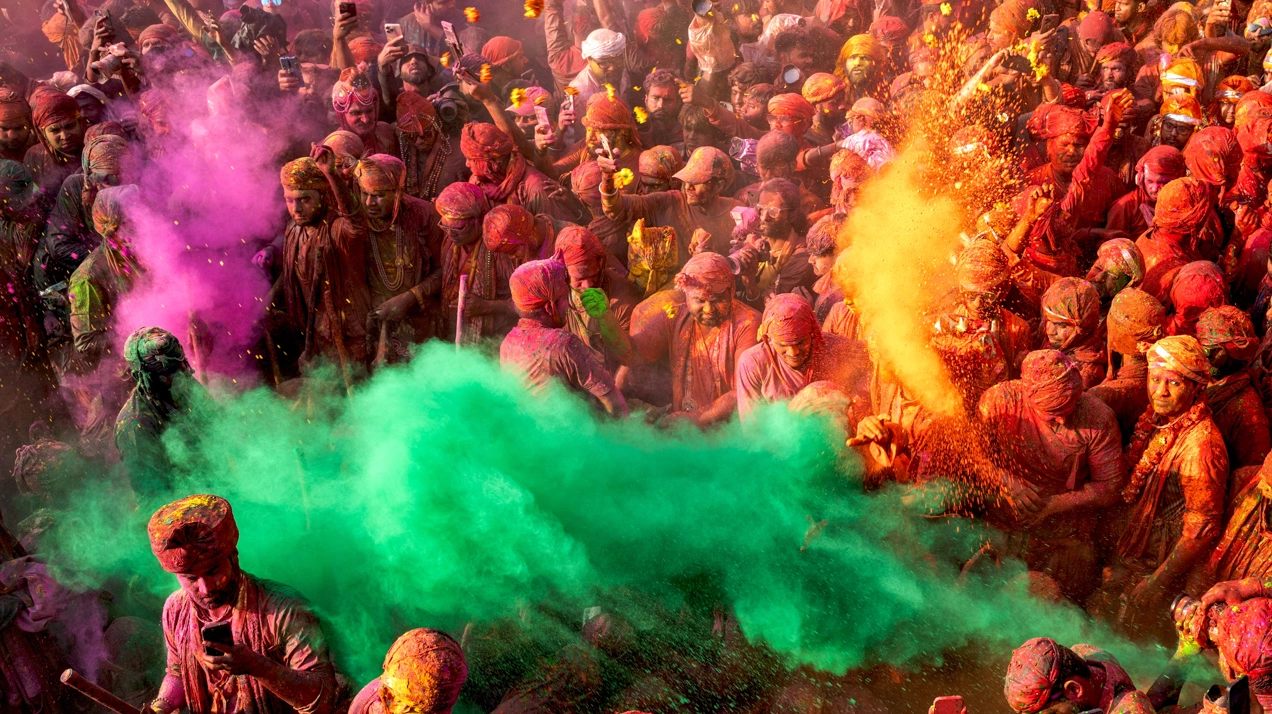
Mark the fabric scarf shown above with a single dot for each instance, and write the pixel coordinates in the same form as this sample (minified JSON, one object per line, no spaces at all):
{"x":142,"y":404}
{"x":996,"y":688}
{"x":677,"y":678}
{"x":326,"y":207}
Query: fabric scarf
{"x":500,"y":193}
{"x":245,"y":623}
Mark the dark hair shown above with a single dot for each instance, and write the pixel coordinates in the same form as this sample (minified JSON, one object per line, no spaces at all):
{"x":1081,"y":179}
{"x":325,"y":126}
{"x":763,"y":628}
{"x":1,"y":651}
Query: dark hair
{"x":1071,"y":665}
{"x":312,"y":46}
{"x":139,"y":17}
{"x":694,"y":118}
{"x":823,"y":237}
{"x":791,"y":200}
{"x":792,"y":37}
{"x":776,"y":148}
{"x":660,"y":78}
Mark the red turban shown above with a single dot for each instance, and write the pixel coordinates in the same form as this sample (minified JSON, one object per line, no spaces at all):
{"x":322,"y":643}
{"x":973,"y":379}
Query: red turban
{"x":1073,"y":302}
{"x":538,"y":285}
{"x":346,"y":143}
{"x":193,"y":533}
{"x":1052,"y":382}
{"x":605,"y":113}
{"x":1181,"y":205}
{"x":507,"y":228}
{"x":13,"y":106}
{"x":303,"y":174}
{"x":159,"y":32}
{"x":791,"y":105}
{"x":982,"y":267}
{"x":1035,"y":669}
{"x":415,"y":113}
{"x":1214,"y":155}
{"x":1244,"y":640}
{"x":1230,"y":328}
{"x":1096,"y":26}
{"x":500,"y":50}
{"x":787,"y":318}
{"x":661,"y":162}
{"x":890,"y":29}
{"x":462,"y":201}
{"x":1052,"y":120}
{"x":1134,"y":316}
{"x":1012,"y":17}
{"x":585,"y":181}
{"x":1254,"y":134}
{"x":1121,"y":256}
{"x":353,"y":87}
{"x":364,"y":49}
{"x":425,"y":668}
{"x":1232,"y":89}
{"x":1197,"y":287}
{"x":1118,"y":52}
{"x":1250,"y":106}
{"x":706,"y":271}
{"x":646,"y":21}
{"x":486,"y":142}
{"x":822,"y":86}
{"x":381,"y":172}
{"x":1165,"y":160}
{"x":53,"y":107}
{"x":578,"y":246}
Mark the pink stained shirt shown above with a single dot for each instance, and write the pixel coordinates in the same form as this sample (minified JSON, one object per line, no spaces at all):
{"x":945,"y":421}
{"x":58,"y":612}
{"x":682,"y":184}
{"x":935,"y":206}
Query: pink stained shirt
{"x":762,"y":376}
{"x":543,"y":354}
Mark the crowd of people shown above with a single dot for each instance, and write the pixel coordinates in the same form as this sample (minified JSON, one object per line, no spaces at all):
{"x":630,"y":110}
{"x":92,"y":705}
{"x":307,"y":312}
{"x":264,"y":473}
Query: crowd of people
{"x":651,"y":204}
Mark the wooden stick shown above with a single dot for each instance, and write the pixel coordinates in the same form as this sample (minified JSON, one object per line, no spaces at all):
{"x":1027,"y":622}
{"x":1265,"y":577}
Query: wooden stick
{"x":72,"y":679}
{"x":459,"y":311}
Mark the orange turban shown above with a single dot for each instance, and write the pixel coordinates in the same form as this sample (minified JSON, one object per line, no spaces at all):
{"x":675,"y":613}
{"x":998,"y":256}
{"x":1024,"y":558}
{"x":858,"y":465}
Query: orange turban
{"x":822,"y":86}
{"x":193,"y":533}
{"x":791,"y":105}
{"x":380,"y":172}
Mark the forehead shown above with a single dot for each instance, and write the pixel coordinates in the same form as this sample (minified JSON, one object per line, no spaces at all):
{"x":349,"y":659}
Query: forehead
{"x":1161,"y":373}
{"x":705,"y":294}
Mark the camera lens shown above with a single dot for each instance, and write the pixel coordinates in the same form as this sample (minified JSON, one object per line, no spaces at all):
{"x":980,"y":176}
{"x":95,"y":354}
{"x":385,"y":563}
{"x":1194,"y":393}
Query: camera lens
{"x":447,"y":111}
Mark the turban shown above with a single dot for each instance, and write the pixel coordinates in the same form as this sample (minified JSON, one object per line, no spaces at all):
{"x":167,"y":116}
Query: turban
{"x":381,"y":172}
{"x":822,"y":86}
{"x":868,"y":107}
{"x":1073,"y":302}
{"x":1230,"y":328}
{"x":787,"y":318}
{"x":982,"y":267}
{"x":1012,"y":17}
{"x":462,"y":201}
{"x":1183,"y":355}
{"x":661,"y":162}
{"x":1197,"y":287}
{"x":426,"y":669}
{"x":605,"y":113}
{"x":1183,"y":72}
{"x":507,"y":228}
{"x":13,"y":106}
{"x":1232,"y":89}
{"x":500,"y":50}
{"x":1181,"y":205}
{"x":1214,"y":156}
{"x":1036,"y":668}
{"x":1163,"y":159}
{"x":603,"y":44}
{"x":153,"y":104}
{"x":159,"y":32}
{"x":1051,"y":381}
{"x":347,"y":143}
{"x":585,"y":181}
{"x":775,"y":149}
{"x":1061,"y":120}
{"x":485,"y":142}
{"x":109,"y":208}
{"x":17,"y":188}
{"x":364,"y":49}
{"x":353,"y":87}
{"x":890,"y":29}
{"x":1096,"y":26}
{"x":1178,"y":26}
{"x":646,"y":21}
{"x":415,"y":113}
{"x":153,"y":352}
{"x":1244,"y":641}
{"x":1184,"y":109}
{"x":53,"y":107}
{"x":112,"y":128}
{"x":1254,"y":134}
{"x":849,"y":164}
{"x":863,"y":45}
{"x":706,"y":271}
{"x":791,"y":105}
{"x":577,"y":246}
{"x":1118,"y":52}
{"x":707,"y":163}
{"x":189,"y":535}
{"x":1121,"y":256}
{"x":1134,"y":316}
{"x":1250,"y":106}
{"x":303,"y":174}
{"x":538,"y":285}
{"x":104,"y":155}
{"x":88,"y":89}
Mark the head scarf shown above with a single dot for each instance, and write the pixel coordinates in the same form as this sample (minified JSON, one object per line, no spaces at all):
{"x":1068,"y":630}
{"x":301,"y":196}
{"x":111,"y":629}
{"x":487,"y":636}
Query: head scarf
{"x":1163,"y":159}
{"x":189,"y":535}
{"x":585,"y":181}
{"x":364,"y":49}
{"x":462,"y":201}
{"x":112,"y":128}
{"x":791,"y":105}
{"x":890,"y":29}
{"x":1073,"y":302}
{"x":1255,"y":134}
{"x":1121,"y":256}
{"x":707,"y":163}
{"x":822,"y":86}
{"x":982,"y":267}
{"x":1035,"y":669}
{"x":1183,"y":355}
{"x":507,"y":228}
{"x":110,"y":207}
{"x":152,"y":352}
{"x":347,"y":143}
{"x":1182,"y":108}
{"x":859,"y":45}
{"x":1232,"y":89}
{"x":1197,"y":287}
{"x":1181,"y":205}
{"x":849,"y":164}
{"x":303,"y":174}
{"x":104,"y":155}
{"x":1051,"y":381}
{"x":425,"y":668}
{"x":13,"y":106}
{"x":787,"y":318}
{"x":1118,"y":52}
{"x":485,"y":142}
{"x":706,"y":271}
{"x":1183,"y":72}
{"x":380,"y":172}
{"x":1230,"y":328}
{"x":1062,"y":120}
{"x":1244,"y":640}
{"x":661,"y":162}
{"x":1012,"y":17}
{"x":1096,"y":26}
{"x":603,"y":44}
{"x":159,"y":32}
{"x":53,"y":107}
{"x":606,"y":113}
{"x":415,"y":114}
{"x":1134,"y":316}
{"x":500,"y":50}
{"x":538,"y":286}
{"x":1214,"y":155}
{"x":1251,"y":105}
{"x":823,"y":398}
{"x":353,"y":87}
{"x":577,"y":246}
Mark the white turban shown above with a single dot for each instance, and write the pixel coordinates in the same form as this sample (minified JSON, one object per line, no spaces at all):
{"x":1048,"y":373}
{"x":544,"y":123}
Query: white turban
{"x":603,"y":44}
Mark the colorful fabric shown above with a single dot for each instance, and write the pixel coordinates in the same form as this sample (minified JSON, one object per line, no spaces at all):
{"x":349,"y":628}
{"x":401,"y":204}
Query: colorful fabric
{"x":1198,"y":286}
{"x":1063,"y":120}
{"x":1181,"y":204}
{"x":1096,"y":26}
{"x":660,"y":162}
{"x":706,"y":271}
{"x":539,"y":286}
{"x":1183,"y":73}
{"x":1183,"y":355}
{"x":104,"y":155}
{"x":53,"y":107}
{"x":982,"y":267}
{"x":500,"y":50}
{"x":303,"y":174}
{"x":1230,"y":328}
{"x":791,"y":105}
{"x":1134,"y":316}
{"x":1213,"y":155}
{"x":890,"y":29}
{"x":1254,"y":134}
{"x":1183,"y":108}
{"x":708,"y":163}
{"x":485,"y":142}
{"x":462,"y":201}
{"x":193,"y":533}
{"x":863,"y":44}
{"x":789,"y":318}
{"x":1231,"y":89}
{"x":364,"y":49}
{"x":508,"y":229}
{"x":1034,"y":670}
{"x":111,"y":205}
{"x":1118,"y":52}
{"x":426,"y":669}
{"x":153,"y":352}
{"x":603,"y":44}
{"x":1121,"y":256}
{"x":159,"y":32}
{"x":1013,"y":18}
{"x":579,"y":246}
{"x":380,"y":172}
{"x":821,"y":87}
{"x":347,"y":143}
{"x":606,"y":113}
{"x":415,"y":114}
{"x":1052,"y":382}
{"x":353,"y":87}
{"x":13,"y":106}
{"x":1073,"y":302}
{"x":1163,"y":159}
{"x":1244,"y":641}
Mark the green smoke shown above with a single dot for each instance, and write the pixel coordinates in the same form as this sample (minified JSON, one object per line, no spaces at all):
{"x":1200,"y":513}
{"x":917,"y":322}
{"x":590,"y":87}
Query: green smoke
{"x":444,"y":493}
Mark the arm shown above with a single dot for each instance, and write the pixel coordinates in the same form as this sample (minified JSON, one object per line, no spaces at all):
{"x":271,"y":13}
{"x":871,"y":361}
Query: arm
{"x":89,"y":317}
{"x":188,"y":17}
{"x":341,"y":57}
{"x":610,"y":19}
{"x":1104,"y":459}
{"x":561,"y":47}
{"x":613,"y":335}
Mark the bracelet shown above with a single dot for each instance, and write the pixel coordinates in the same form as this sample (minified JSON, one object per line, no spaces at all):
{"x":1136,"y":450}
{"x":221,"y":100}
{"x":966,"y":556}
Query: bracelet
{"x":610,"y":194}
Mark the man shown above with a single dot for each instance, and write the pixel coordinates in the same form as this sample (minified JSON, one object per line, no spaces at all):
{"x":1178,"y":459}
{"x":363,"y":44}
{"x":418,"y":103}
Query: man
{"x":1133,"y":213}
{"x":611,"y":119}
{"x":826,"y":93}
{"x":1118,"y":265}
{"x":107,"y":274}
{"x":792,"y":353}
{"x":421,"y":27}
{"x":662,"y":105}
{"x":401,"y":256}
{"x":502,"y":174}
{"x":1245,"y":549}
{"x":702,"y":336}
{"x":513,"y":231}
{"x":278,"y":660}
{"x":1197,"y":287}
{"x":1130,"y":18}
{"x":696,"y":209}
{"x":15,"y":125}
{"x":1214,"y":156}
{"x":1062,"y":465}
{"x":1071,"y":324}
{"x":433,"y":159}
{"x":424,"y":671}
{"x":1044,"y":674}
{"x":775,"y":155}
{"x":357,"y":105}
{"x":507,"y":61}
{"x":1135,"y":321}
{"x":1180,"y":117}
{"x":69,"y":235}
{"x":783,"y":225}
{"x":58,"y":126}
{"x":1115,"y":67}
{"x":1170,"y":529}
{"x":155,"y":362}
{"x":488,"y":309}
{"x":1254,"y":134}
{"x":657,"y":167}
{"x":322,"y":291}
{"x":1228,"y":338}
{"x":1182,"y":211}
{"x":601,"y":299}
{"x":860,"y":64}
{"x":605,"y":53}
{"x":541,"y":349}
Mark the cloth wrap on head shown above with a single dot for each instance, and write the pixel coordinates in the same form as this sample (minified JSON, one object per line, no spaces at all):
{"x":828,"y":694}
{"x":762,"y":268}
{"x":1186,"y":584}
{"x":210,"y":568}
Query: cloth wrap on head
{"x":104,"y":155}
{"x":152,"y":352}
{"x":1165,"y":160}
{"x":53,"y":107}
{"x":537,"y":286}
{"x":364,"y":49}
{"x":1062,"y":120}
{"x":110,"y":206}
{"x":1181,"y":354}
{"x":17,"y":187}
{"x":787,"y":318}
{"x":605,"y":113}
{"x":1096,"y":26}
{"x":1052,"y":382}
{"x":982,"y":267}
{"x":462,"y":201}
{"x":1199,"y":284}
{"x":416,"y":114}
{"x":426,"y":669}
{"x":347,"y":143}
{"x":13,"y":106}
{"x":1121,"y":256}
{"x":1134,"y":316}
{"x":353,"y":87}
{"x":1073,"y":302}
{"x":706,"y":271}
{"x":863,"y":44}
{"x":380,"y":172}
{"x":507,"y":228}
{"x":1184,"y":109}
{"x":1228,"y":327}
{"x":159,"y":32}
{"x":821,"y":87}
{"x":791,"y":105}
{"x":1118,"y":52}
{"x":1244,"y":641}
{"x":661,"y":162}
{"x":485,"y":142}
{"x":1034,"y":671}
{"x":1181,"y":205}
{"x":1213,"y":155}
{"x":500,"y":50}
{"x":303,"y":174}
{"x":603,"y":44}
{"x":189,"y":535}
{"x":579,"y":246}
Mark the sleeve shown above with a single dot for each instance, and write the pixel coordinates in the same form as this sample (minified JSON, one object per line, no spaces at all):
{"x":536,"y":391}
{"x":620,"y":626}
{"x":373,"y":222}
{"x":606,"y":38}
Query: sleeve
{"x":303,"y":648}
{"x":1104,"y":453}
{"x":88,"y":313}
{"x":65,"y":234}
{"x":1253,"y":446}
{"x":650,"y":330}
{"x":564,"y":58}
{"x":546,"y":197}
{"x":746,"y":336}
{"x":1083,"y":187}
{"x":651,"y":206}
{"x":1203,"y":475}
{"x":749,"y":381}
{"x":729,"y":123}
{"x":186,"y":15}
{"x":583,"y":369}
{"x":1030,"y":280}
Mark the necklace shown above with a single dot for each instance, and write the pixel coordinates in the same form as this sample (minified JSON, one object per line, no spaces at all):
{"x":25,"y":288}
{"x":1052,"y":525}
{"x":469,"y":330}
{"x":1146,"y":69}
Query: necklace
{"x":399,"y":269}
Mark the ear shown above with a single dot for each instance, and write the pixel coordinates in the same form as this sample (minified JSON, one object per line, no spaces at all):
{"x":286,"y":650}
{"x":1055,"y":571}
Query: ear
{"x":1073,"y":690}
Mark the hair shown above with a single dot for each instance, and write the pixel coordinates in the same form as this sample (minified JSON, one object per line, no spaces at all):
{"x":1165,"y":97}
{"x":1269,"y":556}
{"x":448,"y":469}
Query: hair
{"x":694,"y":118}
{"x":660,"y":78}
{"x":775,"y":148}
{"x":1071,"y":665}
{"x":312,"y":46}
{"x":1177,"y":26}
{"x":762,"y":93}
{"x":791,"y":200}
{"x":822,"y":240}
{"x":137,"y":17}
{"x":792,"y":37}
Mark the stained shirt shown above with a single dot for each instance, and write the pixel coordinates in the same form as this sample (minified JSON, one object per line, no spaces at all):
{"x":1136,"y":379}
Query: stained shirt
{"x":543,"y":354}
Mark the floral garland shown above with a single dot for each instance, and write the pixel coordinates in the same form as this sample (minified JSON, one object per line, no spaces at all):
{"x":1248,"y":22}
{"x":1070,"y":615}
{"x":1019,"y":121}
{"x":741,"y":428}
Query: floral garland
{"x":1146,"y":456}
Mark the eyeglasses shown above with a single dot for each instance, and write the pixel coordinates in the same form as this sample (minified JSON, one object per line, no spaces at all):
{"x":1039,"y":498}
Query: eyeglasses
{"x":770,"y":211}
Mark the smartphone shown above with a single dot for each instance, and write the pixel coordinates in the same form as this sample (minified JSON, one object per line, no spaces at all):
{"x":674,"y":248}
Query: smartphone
{"x":219,"y":633}
{"x":568,"y":103}
{"x":348,"y":8}
{"x":541,"y":117}
{"x":289,"y":65}
{"x":452,"y":40}
{"x":392,"y":30}
{"x":948,"y":705}
{"x":609,"y":152}
{"x":1049,"y":23}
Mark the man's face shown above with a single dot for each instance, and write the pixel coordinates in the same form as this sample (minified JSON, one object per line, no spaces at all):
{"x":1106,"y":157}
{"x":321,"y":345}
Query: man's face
{"x":1228,"y":113}
{"x":791,"y":125}
{"x":609,"y":70}
{"x":487,"y":170}
{"x":461,"y":231}
{"x":1059,"y":334}
{"x":1176,"y":133}
{"x":653,"y":184}
{"x":707,"y":308}
{"x":381,"y":205}
{"x":737,"y":94}
{"x":982,"y":304}
{"x":696,"y":137}
{"x":214,"y":587}
{"x":780,"y":169}
{"x":617,"y":139}
{"x":1091,"y":44}
{"x":526,"y":124}
{"x":157,"y":45}
{"x":843,"y":194}
{"x":15,"y":134}
{"x":1113,"y":75}
{"x":1170,"y":393}
{"x":362,"y":119}
{"x":794,"y":353}
{"x":662,"y":102}
{"x":700,"y":194}
{"x":430,"y":700}
{"x":90,"y":108}
{"x":1066,"y":151}
{"x":65,"y":137}
{"x":587,"y":273}
{"x":832,"y":109}
{"x":304,"y":206}
{"x":754,"y":111}
{"x":1107,"y":282}
{"x":1153,"y":182}
{"x":1124,"y":11}
{"x":414,"y":70}
{"x":860,"y":70}
{"x":800,"y":57}
{"x":775,"y":221}
{"x":821,"y":264}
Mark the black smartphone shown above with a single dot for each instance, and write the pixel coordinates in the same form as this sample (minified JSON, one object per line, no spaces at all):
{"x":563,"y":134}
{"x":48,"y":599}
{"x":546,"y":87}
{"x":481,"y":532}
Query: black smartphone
{"x":348,"y":8}
{"x":289,"y":65}
{"x":220,"y":633}
{"x":1049,"y":23}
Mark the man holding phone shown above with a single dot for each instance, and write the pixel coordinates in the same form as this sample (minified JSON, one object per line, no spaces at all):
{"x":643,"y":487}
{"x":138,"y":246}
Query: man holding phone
{"x":236,"y":643}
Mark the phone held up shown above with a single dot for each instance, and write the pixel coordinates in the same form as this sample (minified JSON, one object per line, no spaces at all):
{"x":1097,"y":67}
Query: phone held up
{"x":948,"y":705}
{"x":289,"y":65}
{"x":220,"y":633}
{"x":348,"y":8}
{"x":392,"y":30}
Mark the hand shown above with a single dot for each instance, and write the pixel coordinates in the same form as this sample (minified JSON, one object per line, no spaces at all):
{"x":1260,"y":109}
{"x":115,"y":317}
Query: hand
{"x":544,"y":138}
{"x":1024,"y":497}
{"x":1040,"y":199}
{"x":472,"y":87}
{"x":1233,"y":592}
{"x":394,"y":50}
{"x":594,"y":302}
{"x":344,"y":25}
{"x":237,"y":659}
{"x":288,"y":82}
{"x":1247,"y":218}
{"x":698,"y":241}
{"x":608,"y":165}
{"x":102,"y":35}
{"x":264,"y":259}
{"x":212,"y":28}
{"x":267,"y":47}
{"x":686,"y":93}
{"x":875,"y":429}
{"x":1220,"y":17}
{"x":324,"y":157}
{"x":566,"y":117}
{"x":1042,"y":514}
{"x":1122,"y":101}
{"x":395,"y":308}
{"x":477,"y":306}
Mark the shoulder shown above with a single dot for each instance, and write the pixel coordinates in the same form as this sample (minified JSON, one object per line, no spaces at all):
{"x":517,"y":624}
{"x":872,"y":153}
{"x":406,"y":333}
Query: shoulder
{"x":175,"y":608}
{"x":1093,"y":412}
{"x":754,"y":358}
{"x":746,"y":317}
{"x":73,"y":185}
{"x":1002,"y":397}
{"x":282,"y":597}
{"x":367,"y":700}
